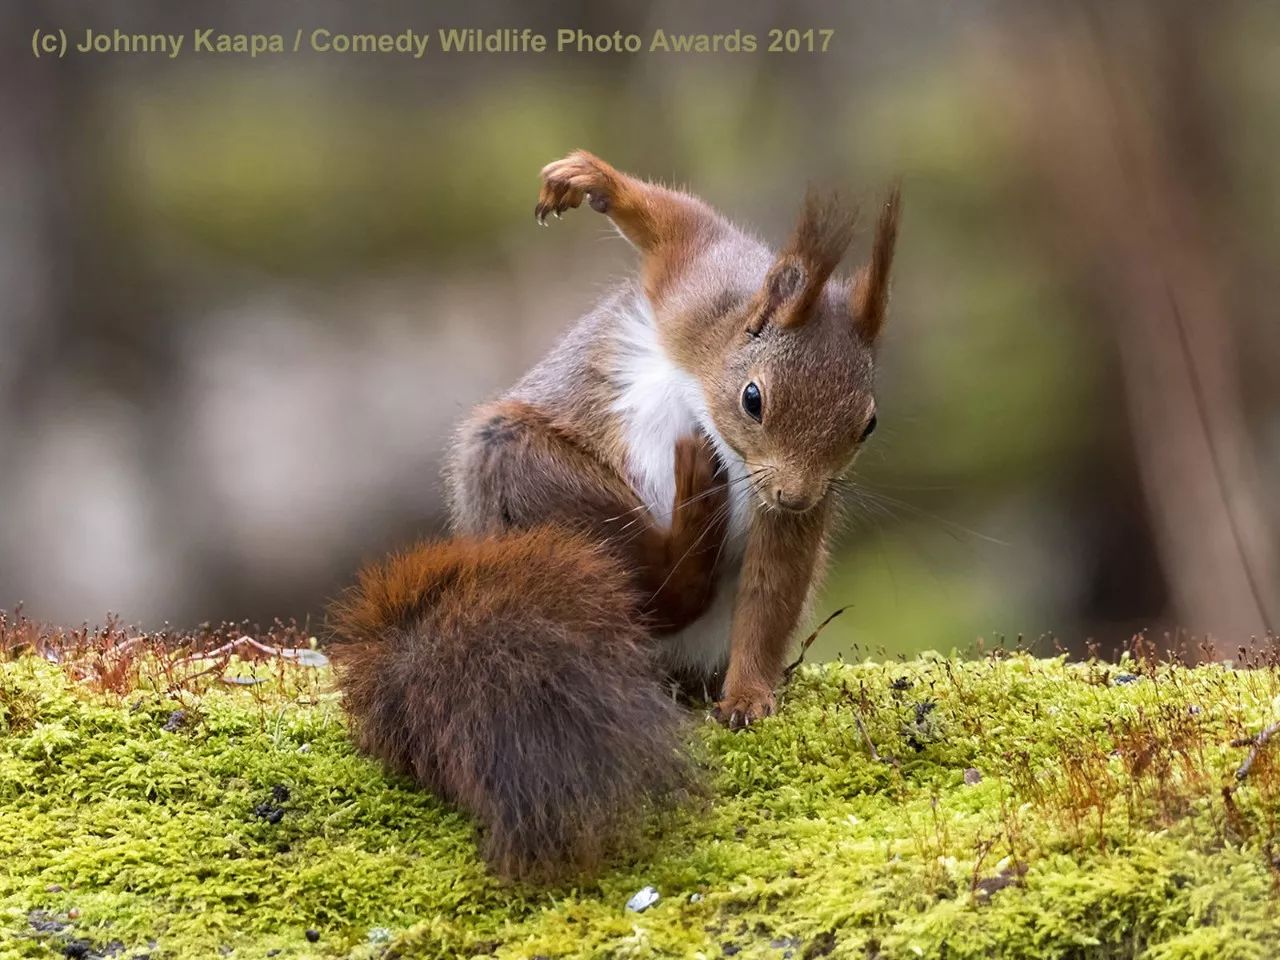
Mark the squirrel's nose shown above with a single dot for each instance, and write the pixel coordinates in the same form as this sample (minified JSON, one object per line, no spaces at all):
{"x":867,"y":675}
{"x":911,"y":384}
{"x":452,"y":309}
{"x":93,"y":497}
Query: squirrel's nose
{"x":795,"y":504}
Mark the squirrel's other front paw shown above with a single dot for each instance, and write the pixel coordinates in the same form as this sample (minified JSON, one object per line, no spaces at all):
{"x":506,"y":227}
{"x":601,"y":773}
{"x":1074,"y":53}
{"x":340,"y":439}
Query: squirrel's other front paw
{"x":700,"y":478}
{"x":737,"y":711}
{"x":566,"y":182}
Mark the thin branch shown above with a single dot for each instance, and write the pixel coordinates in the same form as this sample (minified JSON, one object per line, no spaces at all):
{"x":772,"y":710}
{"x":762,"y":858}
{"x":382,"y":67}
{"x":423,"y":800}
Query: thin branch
{"x":808,"y":642}
{"x":871,"y":747}
{"x":1258,"y":743}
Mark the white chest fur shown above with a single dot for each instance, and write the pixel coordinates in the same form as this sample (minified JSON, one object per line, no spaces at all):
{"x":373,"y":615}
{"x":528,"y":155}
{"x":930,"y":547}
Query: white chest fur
{"x":657,"y":404}
{"x":654,"y":411}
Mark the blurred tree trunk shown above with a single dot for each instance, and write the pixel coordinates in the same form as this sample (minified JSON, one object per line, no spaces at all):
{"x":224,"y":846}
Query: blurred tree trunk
{"x":1124,"y":144}
{"x":34,"y":219}
{"x":35,"y":222}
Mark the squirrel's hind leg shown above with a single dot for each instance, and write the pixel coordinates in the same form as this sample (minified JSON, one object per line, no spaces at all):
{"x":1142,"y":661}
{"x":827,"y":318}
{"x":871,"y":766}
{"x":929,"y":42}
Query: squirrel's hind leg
{"x":517,"y":470}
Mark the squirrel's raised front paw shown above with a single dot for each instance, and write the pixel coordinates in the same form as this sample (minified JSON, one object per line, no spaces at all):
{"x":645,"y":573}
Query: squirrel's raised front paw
{"x":737,"y":711}
{"x":566,"y":182}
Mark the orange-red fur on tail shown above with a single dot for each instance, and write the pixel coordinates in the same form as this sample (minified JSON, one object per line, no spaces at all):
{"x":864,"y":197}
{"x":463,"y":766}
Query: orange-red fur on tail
{"x":511,"y":676}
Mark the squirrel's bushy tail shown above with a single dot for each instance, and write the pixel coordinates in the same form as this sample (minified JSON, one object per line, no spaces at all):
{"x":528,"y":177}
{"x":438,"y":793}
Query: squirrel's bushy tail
{"x":510,"y":676}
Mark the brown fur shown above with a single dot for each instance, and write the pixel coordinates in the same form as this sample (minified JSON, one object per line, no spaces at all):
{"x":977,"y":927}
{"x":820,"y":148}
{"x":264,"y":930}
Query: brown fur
{"x":771,"y":600}
{"x":795,"y":282}
{"x":509,"y":669}
{"x":512,"y":669}
{"x":523,"y":470}
{"x":667,"y":226}
{"x":510,"y":675}
{"x":804,"y":336}
{"x":870,"y":301}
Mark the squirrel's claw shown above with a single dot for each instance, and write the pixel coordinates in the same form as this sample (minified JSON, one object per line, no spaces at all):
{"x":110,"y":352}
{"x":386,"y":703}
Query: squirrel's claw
{"x":740,"y":712}
{"x":567,"y":182}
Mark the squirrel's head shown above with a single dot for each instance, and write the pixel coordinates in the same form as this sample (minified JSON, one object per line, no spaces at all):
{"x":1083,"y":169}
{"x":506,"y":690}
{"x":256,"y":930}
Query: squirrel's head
{"x":791,"y":391}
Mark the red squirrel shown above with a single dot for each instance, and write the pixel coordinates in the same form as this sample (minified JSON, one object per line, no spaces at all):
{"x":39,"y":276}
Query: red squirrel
{"x":652,"y":500}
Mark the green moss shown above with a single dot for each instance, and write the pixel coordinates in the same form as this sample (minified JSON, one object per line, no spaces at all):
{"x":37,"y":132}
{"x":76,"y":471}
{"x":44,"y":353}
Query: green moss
{"x":1091,"y":823}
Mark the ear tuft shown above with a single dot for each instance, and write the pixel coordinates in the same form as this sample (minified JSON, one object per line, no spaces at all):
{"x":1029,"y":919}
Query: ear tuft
{"x":822,"y":236}
{"x":870,"y":298}
{"x":817,"y":244}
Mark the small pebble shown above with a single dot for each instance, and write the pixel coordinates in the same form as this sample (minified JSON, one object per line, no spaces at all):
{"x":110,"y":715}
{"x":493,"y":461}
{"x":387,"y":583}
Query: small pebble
{"x":313,"y":936}
{"x":73,"y":913}
{"x":972,"y":775}
{"x":695,"y":898}
{"x":643,"y":900}
{"x":53,"y":888}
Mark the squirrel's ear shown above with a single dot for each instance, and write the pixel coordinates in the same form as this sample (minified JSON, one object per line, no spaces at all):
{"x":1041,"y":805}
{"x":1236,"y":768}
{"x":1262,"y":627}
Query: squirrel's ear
{"x":779,"y":296}
{"x":870,"y":297}
{"x":818,"y":242}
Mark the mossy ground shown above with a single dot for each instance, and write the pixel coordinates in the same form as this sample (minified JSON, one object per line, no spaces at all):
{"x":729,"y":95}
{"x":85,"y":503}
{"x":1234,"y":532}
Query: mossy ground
{"x":1014,"y":807}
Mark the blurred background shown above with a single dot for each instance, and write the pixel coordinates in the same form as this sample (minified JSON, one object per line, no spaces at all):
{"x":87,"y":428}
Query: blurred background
{"x":243,"y":302}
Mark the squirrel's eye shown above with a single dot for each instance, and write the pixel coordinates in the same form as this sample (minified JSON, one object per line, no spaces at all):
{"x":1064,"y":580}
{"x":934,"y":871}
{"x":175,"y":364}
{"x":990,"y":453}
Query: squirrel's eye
{"x":751,"y":401}
{"x":869,"y":429}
